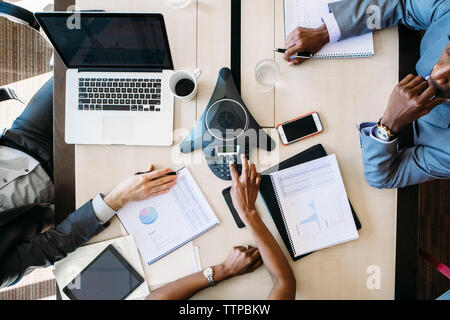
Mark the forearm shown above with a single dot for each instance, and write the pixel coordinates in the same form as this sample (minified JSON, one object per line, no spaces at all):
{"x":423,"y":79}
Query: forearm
{"x":273,"y":257}
{"x":50,"y":246}
{"x":186,"y":287}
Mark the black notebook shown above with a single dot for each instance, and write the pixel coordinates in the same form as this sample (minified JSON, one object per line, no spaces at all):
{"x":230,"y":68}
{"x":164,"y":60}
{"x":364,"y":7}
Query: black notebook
{"x":270,"y":197}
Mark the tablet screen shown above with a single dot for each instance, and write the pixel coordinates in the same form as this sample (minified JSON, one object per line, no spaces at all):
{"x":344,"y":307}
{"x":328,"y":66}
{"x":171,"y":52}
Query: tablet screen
{"x":108,"y":277}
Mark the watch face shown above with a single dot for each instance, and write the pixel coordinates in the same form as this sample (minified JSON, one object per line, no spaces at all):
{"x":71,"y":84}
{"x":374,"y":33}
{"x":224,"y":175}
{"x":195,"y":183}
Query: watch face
{"x":208,"y":272}
{"x":381,"y":134}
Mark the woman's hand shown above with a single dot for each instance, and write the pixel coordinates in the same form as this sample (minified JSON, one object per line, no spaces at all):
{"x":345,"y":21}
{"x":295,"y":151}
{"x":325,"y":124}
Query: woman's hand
{"x":241,"y":260}
{"x":140,"y":187}
{"x":244,"y":190}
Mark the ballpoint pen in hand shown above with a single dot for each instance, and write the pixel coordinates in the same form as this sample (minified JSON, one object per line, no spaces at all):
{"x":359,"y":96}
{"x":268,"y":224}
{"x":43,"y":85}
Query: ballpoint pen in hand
{"x":301,"y":55}
{"x":174,"y":173}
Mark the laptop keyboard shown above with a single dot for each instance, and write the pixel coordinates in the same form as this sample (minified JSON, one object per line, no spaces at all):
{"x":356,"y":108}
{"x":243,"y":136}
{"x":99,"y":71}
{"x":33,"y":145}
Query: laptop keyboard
{"x":127,"y":94}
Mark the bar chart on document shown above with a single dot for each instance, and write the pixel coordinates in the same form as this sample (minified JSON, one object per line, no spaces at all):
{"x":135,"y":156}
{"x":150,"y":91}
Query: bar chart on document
{"x":315,"y":206}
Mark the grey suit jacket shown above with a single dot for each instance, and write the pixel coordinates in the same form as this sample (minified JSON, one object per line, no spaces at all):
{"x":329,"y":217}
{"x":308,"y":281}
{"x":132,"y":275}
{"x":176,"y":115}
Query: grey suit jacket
{"x":49,"y":247}
{"x":385,"y":166}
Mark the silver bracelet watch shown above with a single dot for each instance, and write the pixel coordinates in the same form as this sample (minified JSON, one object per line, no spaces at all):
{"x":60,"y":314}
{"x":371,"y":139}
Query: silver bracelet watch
{"x":209,"y":275}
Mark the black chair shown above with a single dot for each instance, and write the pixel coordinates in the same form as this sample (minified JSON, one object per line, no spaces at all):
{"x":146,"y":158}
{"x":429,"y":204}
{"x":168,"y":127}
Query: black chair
{"x":18,"y":14}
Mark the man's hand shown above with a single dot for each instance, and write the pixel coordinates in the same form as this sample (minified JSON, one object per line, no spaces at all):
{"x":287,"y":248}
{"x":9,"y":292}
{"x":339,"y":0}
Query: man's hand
{"x":304,"y":39}
{"x":411,"y":99}
{"x":244,"y":190}
{"x":240,"y":261}
{"x":140,"y":187}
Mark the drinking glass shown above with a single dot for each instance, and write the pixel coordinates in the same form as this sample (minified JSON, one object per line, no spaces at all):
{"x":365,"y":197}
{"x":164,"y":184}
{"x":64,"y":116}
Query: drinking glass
{"x":267,"y":73}
{"x":178,"y":4}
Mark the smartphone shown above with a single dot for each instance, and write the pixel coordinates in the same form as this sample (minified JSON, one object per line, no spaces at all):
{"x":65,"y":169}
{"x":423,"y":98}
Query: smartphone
{"x":300,"y":128}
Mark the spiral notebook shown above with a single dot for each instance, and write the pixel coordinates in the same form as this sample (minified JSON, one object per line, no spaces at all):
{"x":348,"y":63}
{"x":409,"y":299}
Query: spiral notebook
{"x":167,"y":222}
{"x":308,"y":14}
{"x":314,"y":206}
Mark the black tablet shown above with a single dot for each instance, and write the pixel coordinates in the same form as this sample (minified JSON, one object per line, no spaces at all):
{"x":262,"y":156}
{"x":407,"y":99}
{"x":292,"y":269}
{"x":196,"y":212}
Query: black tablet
{"x":108,"y":277}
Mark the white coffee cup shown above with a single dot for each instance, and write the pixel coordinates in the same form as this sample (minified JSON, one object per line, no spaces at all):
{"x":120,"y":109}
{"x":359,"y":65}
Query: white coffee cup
{"x":179,"y":76}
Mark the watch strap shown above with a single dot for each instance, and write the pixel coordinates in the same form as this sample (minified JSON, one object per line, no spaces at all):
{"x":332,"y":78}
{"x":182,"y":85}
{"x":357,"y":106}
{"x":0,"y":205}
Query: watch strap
{"x":209,"y":275}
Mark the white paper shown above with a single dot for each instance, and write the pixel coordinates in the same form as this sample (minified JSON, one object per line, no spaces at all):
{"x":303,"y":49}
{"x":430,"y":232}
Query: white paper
{"x":162,"y":224}
{"x":315,"y":205}
{"x":309,"y":13}
{"x":66,"y":270}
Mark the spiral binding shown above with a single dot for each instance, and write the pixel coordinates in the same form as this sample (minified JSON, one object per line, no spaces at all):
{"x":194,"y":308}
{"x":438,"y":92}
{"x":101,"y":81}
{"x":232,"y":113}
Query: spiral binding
{"x":182,"y":244}
{"x":366,"y":54}
{"x":282,"y":216}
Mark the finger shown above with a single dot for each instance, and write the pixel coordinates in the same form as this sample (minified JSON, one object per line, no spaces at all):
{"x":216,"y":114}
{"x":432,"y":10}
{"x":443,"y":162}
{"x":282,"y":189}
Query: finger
{"x":421,"y":87}
{"x":258,"y":180}
{"x":291,"y":43}
{"x":150,"y":168}
{"x":256,"y":255}
{"x":293,"y":50}
{"x":256,"y":265}
{"x":251,"y":250}
{"x":160,"y":193}
{"x":156,"y":174}
{"x":161,"y":181}
{"x":433,"y":103}
{"x":429,"y":93}
{"x":414,"y":82}
{"x":162,"y":187}
{"x":233,"y":172}
{"x":291,"y":38}
{"x":296,"y":61}
{"x":253,"y":173}
{"x":240,"y":248}
{"x":406,"y":79}
{"x":245,"y":169}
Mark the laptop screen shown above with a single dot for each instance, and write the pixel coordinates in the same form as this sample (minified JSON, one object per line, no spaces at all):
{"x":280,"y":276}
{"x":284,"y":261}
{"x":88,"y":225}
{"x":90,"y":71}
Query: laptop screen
{"x":108,"y":39}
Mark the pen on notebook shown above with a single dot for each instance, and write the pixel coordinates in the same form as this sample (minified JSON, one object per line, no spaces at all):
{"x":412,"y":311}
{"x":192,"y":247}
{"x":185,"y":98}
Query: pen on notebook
{"x":302,"y":55}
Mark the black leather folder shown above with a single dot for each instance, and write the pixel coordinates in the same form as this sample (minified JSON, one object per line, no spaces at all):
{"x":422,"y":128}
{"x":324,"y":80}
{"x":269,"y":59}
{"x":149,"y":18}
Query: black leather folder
{"x":270,"y":199}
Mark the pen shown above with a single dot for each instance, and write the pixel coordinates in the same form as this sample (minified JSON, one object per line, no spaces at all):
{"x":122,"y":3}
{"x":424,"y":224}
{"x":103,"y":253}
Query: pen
{"x":302,"y":55}
{"x":174,"y":173}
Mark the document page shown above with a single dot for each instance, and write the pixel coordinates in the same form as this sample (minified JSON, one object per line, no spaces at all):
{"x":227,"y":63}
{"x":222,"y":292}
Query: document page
{"x":315,"y":206}
{"x":309,"y":13}
{"x":164,"y":223}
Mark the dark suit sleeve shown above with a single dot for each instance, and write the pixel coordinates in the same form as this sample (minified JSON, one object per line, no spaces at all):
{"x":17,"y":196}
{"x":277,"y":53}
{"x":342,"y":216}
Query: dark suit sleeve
{"x":49,"y":247}
{"x":352,"y":16}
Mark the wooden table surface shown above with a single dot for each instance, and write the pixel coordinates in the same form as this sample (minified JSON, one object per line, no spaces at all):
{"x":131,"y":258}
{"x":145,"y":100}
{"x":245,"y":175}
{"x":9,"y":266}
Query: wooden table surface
{"x":343,"y":92}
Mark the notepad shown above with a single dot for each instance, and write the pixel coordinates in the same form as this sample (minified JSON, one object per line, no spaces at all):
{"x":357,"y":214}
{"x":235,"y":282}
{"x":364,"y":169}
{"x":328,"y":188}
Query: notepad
{"x":314,"y":205}
{"x":308,"y":14}
{"x":167,"y":222}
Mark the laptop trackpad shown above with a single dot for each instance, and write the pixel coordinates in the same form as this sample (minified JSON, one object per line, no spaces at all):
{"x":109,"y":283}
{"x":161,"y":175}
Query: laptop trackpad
{"x":117,"y":130}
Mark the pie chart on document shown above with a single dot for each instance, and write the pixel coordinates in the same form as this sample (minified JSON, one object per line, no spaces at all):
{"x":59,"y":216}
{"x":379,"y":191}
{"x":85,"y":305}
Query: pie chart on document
{"x":148,"y":215}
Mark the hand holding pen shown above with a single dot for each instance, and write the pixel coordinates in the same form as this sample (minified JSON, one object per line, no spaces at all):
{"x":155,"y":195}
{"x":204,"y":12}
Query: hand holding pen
{"x":305,"y":40}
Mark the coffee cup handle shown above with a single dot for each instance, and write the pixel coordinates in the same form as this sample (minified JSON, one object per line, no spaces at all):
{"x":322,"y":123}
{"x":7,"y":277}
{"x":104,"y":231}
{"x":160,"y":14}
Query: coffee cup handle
{"x":197,"y":73}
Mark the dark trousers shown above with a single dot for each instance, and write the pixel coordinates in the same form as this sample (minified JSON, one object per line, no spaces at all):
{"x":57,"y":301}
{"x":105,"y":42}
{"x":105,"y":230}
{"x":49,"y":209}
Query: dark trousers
{"x":31,"y":133}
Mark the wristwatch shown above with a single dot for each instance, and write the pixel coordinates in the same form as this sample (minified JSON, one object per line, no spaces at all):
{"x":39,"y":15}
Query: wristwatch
{"x":209,"y":275}
{"x":383,"y":133}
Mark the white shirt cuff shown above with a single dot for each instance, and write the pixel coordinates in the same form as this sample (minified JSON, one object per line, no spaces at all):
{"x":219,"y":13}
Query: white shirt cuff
{"x":103,"y":212}
{"x":368,"y":131}
{"x":333,"y":28}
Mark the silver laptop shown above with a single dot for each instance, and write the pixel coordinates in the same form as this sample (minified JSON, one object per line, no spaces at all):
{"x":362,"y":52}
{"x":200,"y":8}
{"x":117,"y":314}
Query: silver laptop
{"x":117,"y":82}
